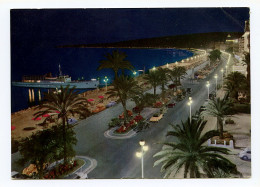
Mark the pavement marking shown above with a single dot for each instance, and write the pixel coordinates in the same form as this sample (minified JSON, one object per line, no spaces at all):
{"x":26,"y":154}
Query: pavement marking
{"x":109,"y":134}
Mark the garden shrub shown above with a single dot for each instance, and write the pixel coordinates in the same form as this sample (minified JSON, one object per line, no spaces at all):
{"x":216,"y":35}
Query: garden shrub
{"x":114,"y":122}
{"x":14,"y":146}
{"x":242,"y":108}
{"x":229,"y":121}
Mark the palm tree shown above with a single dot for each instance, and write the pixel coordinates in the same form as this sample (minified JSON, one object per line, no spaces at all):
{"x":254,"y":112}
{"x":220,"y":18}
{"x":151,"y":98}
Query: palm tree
{"x":64,"y":103}
{"x":234,"y":83}
{"x":124,"y":88}
{"x":218,"y":108}
{"x":154,"y":79}
{"x":180,"y":73}
{"x":187,"y":152}
{"x":142,"y":100}
{"x":163,"y":78}
{"x":115,"y":61}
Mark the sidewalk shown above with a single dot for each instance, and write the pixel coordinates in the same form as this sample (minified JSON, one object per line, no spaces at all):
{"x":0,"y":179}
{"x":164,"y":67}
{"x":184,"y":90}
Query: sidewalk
{"x":242,"y":137}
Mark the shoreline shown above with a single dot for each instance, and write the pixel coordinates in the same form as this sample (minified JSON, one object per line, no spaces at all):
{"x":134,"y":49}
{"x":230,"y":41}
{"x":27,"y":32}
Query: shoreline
{"x":23,"y":118}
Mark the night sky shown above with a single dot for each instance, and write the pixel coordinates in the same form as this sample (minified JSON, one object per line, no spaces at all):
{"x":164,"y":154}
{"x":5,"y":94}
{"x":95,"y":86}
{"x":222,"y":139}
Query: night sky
{"x":35,"y":33}
{"x":74,"y":26}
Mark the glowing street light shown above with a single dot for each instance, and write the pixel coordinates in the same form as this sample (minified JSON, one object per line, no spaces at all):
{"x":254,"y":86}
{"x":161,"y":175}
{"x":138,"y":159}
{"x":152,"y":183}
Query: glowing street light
{"x":134,"y":73}
{"x":222,"y":71}
{"x":226,"y":70}
{"x":189,"y":104}
{"x":216,"y":77}
{"x":154,"y":68}
{"x":208,"y":87}
{"x":106,"y":80}
{"x":141,"y":155}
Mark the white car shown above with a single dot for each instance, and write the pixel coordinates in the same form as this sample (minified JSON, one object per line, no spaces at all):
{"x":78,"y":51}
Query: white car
{"x":245,"y":154}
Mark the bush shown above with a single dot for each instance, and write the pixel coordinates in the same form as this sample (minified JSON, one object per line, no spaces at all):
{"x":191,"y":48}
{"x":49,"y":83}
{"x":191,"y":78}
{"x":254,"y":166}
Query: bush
{"x":14,"y":146}
{"x":114,"y":122}
{"x":242,"y":108}
{"x":229,"y":121}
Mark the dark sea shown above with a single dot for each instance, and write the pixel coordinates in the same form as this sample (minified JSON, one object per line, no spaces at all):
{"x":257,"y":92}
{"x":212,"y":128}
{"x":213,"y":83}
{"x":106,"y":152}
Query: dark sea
{"x":79,"y":63}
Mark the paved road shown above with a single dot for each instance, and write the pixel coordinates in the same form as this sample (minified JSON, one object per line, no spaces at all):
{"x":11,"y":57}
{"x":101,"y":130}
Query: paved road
{"x":116,"y":158}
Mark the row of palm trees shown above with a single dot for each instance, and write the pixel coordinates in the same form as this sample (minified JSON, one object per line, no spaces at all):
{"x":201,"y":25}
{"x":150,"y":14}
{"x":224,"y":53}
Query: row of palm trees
{"x":189,"y":152}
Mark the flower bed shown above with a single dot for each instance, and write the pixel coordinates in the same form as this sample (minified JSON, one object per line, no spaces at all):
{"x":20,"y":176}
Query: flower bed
{"x":158,"y":104}
{"x":130,"y":125}
{"x":226,"y":137}
{"x":62,"y":170}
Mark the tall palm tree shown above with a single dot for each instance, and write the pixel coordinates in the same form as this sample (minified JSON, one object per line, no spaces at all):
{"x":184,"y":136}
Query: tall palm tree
{"x":115,"y":61}
{"x":153,"y":78}
{"x":218,"y":108}
{"x":163,"y":78}
{"x":180,"y":73}
{"x":187,"y":152}
{"x":234,"y":83}
{"x":64,"y":103}
{"x":124,"y":88}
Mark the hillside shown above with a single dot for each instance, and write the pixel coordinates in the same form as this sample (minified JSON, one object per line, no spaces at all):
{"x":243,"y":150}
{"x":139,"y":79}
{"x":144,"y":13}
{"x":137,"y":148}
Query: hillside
{"x":201,"y":40}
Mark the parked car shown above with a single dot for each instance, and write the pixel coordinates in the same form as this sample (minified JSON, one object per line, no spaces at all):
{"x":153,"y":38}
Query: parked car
{"x":156,"y":118}
{"x":188,"y":90}
{"x":137,"y":109}
{"x":202,"y":108}
{"x":110,"y":104}
{"x":171,"y":105}
{"x":211,"y":96}
{"x":196,"y":116}
{"x":245,"y":154}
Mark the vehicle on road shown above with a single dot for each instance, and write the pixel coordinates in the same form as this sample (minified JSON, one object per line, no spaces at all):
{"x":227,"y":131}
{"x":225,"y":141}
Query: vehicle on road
{"x":202,"y":108}
{"x":171,"y":105}
{"x":156,"y":118}
{"x":188,"y":90}
{"x":245,"y":154}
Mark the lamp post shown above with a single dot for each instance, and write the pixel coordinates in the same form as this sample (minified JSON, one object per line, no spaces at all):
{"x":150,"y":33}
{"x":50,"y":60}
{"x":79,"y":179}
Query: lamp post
{"x":226,"y":70}
{"x":208,"y":87}
{"x":216,"y":77}
{"x":106,"y":80}
{"x":189,"y":104}
{"x":141,"y":155}
{"x":222,"y":71}
{"x":134,"y":73}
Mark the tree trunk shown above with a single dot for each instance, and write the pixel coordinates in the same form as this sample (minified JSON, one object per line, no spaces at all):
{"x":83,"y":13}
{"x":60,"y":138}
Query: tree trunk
{"x":125,"y":112}
{"x":64,"y":140}
{"x":220,"y":127}
{"x":154,"y":90}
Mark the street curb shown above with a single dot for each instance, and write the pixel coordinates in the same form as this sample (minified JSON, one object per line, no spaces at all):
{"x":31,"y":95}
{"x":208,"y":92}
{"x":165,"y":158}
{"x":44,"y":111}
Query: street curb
{"x":110,"y":134}
{"x":93,"y":165}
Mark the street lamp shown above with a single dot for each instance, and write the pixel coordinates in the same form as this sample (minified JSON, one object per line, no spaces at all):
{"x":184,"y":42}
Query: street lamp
{"x":222,"y":71}
{"x":134,"y":73}
{"x":141,"y":155}
{"x":208,"y":87}
{"x":216,"y":77}
{"x":226,"y":70}
{"x":106,"y":80}
{"x":154,"y":68}
{"x":189,"y":104}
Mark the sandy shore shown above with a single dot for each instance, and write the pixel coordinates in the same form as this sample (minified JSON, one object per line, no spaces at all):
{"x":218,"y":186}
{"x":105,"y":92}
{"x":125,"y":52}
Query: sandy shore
{"x":24,"y":118}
